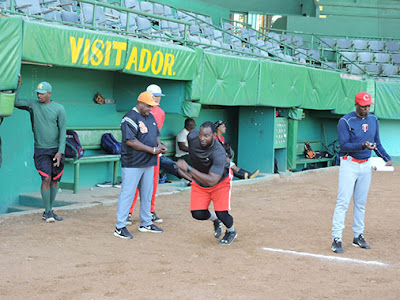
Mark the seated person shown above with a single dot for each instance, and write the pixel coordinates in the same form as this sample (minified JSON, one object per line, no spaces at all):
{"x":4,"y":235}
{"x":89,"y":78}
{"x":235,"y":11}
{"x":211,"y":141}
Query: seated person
{"x":237,"y":172}
{"x":182,"y":150}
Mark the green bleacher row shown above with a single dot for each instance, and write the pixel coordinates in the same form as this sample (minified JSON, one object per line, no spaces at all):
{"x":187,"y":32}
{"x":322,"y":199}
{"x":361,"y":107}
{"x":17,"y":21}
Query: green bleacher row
{"x":170,"y":24}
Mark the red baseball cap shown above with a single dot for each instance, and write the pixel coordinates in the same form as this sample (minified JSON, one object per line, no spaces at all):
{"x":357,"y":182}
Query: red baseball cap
{"x":363,"y":99}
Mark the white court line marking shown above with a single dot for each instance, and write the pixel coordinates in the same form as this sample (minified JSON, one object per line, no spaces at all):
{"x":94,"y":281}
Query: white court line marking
{"x":343,"y":259}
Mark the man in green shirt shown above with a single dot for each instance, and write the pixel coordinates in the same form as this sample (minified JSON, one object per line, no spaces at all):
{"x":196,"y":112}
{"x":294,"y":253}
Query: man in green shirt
{"x":49,"y":131}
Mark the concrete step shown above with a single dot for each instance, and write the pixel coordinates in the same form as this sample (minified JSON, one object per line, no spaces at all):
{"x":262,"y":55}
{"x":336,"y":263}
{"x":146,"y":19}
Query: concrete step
{"x":17,"y":208}
{"x":34,"y":201}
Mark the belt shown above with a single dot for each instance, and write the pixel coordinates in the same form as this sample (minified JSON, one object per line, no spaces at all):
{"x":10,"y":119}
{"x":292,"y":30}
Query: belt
{"x":360,"y":161}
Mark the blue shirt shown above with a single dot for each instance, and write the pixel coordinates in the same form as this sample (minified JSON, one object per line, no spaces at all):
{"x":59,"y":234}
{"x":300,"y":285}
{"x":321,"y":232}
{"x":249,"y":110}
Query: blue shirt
{"x":353,"y":131}
{"x":134,"y":126}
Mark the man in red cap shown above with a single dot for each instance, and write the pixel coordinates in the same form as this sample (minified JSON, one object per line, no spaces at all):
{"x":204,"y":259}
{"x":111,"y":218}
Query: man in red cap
{"x":358,"y":134}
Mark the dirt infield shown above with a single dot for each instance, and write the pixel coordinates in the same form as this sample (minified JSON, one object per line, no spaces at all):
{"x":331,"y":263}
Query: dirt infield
{"x":80,"y":258}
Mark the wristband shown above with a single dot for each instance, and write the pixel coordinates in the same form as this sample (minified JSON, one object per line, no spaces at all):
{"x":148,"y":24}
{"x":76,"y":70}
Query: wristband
{"x":154,"y":149}
{"x":189,"y":168}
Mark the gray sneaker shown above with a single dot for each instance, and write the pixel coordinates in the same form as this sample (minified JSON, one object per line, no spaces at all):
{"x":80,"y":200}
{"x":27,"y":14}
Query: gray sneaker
{"x":360,"y":242}
{"x":56,"y":217}
{"x":122,"y":233}
{"x":129,"y":220}
{"x":217,"y":228}
{"x":155,"y":218}
{"x":49,"y":217}
{"x":228,"y":238}
{"x":337,"y":245}
{"x":150,"y":228}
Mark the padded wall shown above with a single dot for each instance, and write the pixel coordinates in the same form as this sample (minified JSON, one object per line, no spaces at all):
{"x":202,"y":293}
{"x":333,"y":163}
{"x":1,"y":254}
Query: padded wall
{"x":229,"y":80}
{"x":10,"y":51}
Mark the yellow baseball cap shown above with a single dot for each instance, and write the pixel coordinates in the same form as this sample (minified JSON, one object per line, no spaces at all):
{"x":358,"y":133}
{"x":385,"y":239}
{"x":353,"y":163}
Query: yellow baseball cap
{"x":147,"y":97}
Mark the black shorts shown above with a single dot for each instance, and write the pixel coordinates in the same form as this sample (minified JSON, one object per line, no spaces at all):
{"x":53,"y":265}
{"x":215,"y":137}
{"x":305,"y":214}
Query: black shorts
{"x":44,"y":163}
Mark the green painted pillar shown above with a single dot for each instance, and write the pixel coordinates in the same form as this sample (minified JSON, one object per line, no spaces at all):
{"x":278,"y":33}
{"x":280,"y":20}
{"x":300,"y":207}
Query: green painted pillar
{"x":256,"y":139}
{"x":292,"y":143}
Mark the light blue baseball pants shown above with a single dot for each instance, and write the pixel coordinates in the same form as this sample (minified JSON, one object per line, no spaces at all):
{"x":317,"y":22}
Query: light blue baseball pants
{"x":131,"y":179}
{"x":354,"y":178}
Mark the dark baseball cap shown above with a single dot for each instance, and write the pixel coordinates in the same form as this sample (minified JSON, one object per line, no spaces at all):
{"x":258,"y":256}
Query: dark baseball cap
{"x":218,"y":123}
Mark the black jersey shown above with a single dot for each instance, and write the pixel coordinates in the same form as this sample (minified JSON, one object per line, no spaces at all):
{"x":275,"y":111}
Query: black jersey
{"x":145,"y":130}
{"x":205,"y":160}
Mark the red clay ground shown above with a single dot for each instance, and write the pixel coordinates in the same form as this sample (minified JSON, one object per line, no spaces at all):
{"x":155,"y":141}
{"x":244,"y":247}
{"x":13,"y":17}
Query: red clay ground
{"x":80,"y":258}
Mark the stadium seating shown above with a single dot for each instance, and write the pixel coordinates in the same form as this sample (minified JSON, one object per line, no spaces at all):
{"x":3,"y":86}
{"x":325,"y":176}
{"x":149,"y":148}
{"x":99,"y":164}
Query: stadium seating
{"x":346,"y":54}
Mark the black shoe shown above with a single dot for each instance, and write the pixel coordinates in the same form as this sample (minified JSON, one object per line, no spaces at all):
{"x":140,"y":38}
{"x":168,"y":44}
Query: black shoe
{"x":150,"y":228}
{"x":56,"y":217}
{"x":122,"y":233}
{"x":129,"y":220}
{"x":105,"y":184}
{"x":360,"y":242}
{"x":155,"y":218}
{"x":217,"y":228}
{"x":48,"y":217}
{"x":337,"y":245}
{"x":118,"y":184}
{"x":228,"y":238}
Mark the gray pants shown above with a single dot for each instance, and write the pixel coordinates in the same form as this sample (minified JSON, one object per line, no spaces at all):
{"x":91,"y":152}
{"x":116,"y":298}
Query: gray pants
{"x":354,"y":180}
{"x":131,"y":179}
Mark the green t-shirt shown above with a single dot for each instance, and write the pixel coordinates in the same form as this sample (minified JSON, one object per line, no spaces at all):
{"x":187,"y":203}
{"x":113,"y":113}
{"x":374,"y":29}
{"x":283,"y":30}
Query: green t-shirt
{"x":48,"y":123}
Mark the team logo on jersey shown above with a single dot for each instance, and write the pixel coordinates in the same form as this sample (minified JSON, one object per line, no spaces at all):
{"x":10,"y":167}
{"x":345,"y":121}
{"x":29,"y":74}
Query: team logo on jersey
{"x":365,"y":127}
{"x":143,"y":128}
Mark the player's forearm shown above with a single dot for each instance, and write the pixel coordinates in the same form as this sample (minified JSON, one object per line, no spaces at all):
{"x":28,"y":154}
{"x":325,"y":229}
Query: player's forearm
{"x":62,"y":132}
{"x":183,"y":147}
{"x":351,"y":147}
{"x":135,"y":144}
{"x":204,"y":179}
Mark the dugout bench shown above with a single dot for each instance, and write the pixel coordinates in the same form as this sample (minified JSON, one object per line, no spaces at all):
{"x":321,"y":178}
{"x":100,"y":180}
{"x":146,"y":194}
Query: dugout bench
{"x":90,"y":138}
{"x":301,"y":162}
{"x":316,"y":146}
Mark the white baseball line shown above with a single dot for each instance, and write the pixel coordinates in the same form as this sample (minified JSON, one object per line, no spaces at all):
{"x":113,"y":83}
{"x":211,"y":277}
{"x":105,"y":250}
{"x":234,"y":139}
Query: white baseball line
{"x":332,"y":258}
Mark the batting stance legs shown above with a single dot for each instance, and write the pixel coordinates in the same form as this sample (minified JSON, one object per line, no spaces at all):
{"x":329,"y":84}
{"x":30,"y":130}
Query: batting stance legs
{"x":354,"y":178}
{"x":220,"y":194}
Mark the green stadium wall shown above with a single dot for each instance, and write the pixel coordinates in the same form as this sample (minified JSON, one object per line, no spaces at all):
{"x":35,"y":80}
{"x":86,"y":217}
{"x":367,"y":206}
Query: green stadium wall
{"x":243,"y":92}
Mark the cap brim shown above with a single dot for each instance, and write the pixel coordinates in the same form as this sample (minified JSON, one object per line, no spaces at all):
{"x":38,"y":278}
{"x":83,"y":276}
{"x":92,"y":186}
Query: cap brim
{"x":153,"y":103}
{"x":362,"y":103}
{"x":41,"y":91}
{"x":158,"y":94}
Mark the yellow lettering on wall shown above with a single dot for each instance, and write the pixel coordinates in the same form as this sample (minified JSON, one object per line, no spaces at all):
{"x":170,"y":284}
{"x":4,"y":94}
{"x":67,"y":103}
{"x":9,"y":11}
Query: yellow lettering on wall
{"x":156,"y":68}
{"x":86,"y":52}
{"x":144,"y":63}
{"x":75,"y":48}
{"x":119,"y":46}
{"x":97,"y":53}
{"x":132,"y":59}
{"x":169,"y":62}
{"x":108,"y":52}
